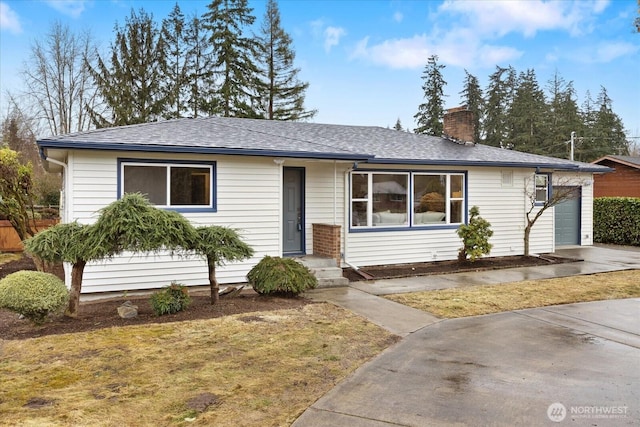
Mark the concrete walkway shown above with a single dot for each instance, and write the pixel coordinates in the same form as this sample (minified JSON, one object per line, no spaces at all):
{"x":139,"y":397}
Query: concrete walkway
{"x":360,"y":297}
{"x":575,"y":363}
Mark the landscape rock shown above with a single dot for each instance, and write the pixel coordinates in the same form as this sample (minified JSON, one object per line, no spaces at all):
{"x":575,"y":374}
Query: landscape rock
{"x":128,"y":310}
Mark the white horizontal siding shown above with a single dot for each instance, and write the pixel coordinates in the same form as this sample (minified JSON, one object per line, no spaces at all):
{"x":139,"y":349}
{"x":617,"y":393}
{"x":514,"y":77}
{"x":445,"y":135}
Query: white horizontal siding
{"x":247,"y":199}
{"x":502,"y":205}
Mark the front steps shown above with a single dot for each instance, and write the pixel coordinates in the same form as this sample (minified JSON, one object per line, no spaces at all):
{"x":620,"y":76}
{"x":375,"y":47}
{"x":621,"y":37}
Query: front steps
{"x":325,"y":270}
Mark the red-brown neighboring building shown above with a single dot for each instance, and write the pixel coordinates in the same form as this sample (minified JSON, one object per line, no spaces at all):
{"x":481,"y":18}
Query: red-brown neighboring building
{"x":624,"y":181}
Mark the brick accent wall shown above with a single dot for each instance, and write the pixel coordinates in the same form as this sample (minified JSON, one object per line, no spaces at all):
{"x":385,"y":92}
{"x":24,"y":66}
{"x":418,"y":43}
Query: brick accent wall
{"x":326,"y":241}
{"x":458,"y":124}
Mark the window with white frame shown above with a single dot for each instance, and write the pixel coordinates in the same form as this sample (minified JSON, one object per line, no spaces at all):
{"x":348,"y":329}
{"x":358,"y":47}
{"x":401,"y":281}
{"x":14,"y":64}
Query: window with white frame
{"x":170,"y":185}
{"x":542,"y":188}
{"x":379,"y":199}
{"x":404,"y":199}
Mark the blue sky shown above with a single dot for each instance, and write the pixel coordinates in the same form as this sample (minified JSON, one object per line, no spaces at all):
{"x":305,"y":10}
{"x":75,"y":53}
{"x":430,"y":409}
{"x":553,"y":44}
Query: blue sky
{"x":364,"y":59}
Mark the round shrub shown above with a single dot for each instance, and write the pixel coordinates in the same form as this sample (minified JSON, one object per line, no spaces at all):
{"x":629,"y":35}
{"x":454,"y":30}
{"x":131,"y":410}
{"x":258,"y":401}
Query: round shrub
{"x":33,"y":294}
{"x":170,"y":299}
{"x":283,"y":276}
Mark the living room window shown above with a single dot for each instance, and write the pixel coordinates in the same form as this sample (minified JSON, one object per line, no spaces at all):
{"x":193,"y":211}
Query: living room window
{"x":170,"y":185}
{"x":395,"y":200}
{"x":379,"y":199}
{"x":438,"y":199}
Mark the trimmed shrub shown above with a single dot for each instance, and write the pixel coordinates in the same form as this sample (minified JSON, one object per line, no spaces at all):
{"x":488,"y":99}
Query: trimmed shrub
{"x":170,"y":299}
{"x":282,"y":276}
{"x":616,"y":220}
{"x":475,"y":236}
{"x":33,"y":294}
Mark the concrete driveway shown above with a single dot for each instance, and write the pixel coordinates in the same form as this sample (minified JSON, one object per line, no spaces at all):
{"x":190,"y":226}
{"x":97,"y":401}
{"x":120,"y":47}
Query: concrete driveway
{"x":576,"y":364}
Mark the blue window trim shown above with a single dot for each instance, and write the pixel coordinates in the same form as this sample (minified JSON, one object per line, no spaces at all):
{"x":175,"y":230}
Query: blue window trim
{"x":409,"y":226}
{"x":549,"y":188}
{"x":214,"y":181}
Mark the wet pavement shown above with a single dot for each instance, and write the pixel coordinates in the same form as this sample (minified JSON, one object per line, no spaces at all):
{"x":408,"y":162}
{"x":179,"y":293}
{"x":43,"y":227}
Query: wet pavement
{"x":577,"y":364}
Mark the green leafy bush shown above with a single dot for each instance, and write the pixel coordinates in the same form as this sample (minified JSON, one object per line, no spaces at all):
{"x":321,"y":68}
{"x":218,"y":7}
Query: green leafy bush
{"x":33,"y":294}
{"x":616,"y":220}
{"x":283,"y":276}
{"x":475,"y":236}
{"x":171,"y":299}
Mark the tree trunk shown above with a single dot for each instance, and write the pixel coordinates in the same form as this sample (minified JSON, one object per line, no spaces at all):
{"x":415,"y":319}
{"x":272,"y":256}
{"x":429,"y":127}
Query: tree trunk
{"x":527,"y":232}
{"x":213,"y":283}
{"x":76,"y":286}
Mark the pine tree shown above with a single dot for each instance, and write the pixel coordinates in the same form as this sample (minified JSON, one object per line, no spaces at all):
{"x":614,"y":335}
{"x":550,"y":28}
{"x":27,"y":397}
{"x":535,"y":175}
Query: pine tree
{"x":199,"y":69}
{"x":564,"y":116}
{"x":497,"y":104}
{"x":430,"y":113}
{"x":175,"y":74}
{"x":234,"y":54}
{"x":472,"y":97}
{"x":528,"y":116}
{"x":608,"y":131}
{"x":398,"y":125}
{"x":132,"y":83}
{"x":281,"y":94}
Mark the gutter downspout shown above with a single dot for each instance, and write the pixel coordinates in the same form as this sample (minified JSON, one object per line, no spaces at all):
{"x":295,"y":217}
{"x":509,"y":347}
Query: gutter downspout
{"x":347,"y":210}
{"x":65,"y":212}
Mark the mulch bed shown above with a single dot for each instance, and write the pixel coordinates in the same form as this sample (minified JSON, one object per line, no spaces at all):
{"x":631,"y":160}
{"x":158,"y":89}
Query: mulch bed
{"x":392,"y":271}
{"x":103,"y":313}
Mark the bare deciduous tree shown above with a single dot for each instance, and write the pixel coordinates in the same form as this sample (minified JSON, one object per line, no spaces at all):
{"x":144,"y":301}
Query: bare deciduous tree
{"x":58,"y":85}
{"x":563,"y":190}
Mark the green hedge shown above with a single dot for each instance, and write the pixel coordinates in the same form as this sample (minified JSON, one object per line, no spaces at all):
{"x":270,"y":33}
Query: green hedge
{"x":616,"y":220}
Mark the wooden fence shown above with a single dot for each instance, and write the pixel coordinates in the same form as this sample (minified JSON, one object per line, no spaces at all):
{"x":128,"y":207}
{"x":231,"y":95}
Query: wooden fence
{"x":9,"y":240}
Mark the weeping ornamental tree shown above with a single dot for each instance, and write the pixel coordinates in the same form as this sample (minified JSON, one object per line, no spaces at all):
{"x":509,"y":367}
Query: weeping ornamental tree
{"x":219,"y":245}
{"x":129,"y":224}
{"x":70,"y":243}
{"x":133,"y":224}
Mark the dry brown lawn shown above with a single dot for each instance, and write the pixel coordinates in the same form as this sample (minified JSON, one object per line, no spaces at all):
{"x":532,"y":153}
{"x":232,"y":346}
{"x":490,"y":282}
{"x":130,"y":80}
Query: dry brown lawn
{"x":477,"y":300}
{"x":258,"y":369}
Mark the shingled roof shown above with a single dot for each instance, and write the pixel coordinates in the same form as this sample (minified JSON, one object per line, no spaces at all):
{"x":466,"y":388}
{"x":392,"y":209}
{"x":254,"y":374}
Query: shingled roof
{"x":369,"y":144}
{"x":630,"y":161}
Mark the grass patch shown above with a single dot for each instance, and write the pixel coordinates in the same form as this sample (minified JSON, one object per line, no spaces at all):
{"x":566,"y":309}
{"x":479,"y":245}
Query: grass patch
{"x":259,"y":370}
{"x":477,"y":300}
{"x":6,"y":257}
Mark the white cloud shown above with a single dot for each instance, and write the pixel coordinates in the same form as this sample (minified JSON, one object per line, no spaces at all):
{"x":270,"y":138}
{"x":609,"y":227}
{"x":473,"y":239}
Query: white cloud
{"x":332,"y":37}
{"x":398,"y":17}
{"x":605,"y":52}
{"x":9,"y":20}
{"x":459,"y":49}
{"x":73,"y":8}
{"x":499,"y":18}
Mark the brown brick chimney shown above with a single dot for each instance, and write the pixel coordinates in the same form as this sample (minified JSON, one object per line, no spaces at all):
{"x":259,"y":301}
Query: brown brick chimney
{"x":458,"y":124}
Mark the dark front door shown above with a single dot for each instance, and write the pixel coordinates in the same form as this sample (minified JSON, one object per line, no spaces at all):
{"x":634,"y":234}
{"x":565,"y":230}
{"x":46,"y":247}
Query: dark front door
{"x":293,"y":210}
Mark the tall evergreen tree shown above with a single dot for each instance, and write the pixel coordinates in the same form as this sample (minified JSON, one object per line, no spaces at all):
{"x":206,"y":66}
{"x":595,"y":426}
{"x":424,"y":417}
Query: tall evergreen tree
{"x":398,"y":125}
{"x":498,"y":99}
{"x":608,"y":131}
{"x":175,"y":74}
{"x":564,"y":116}
{"x":430,"y":113}
{"x":234,"y":56}
{"x":131,"y":84}
{"x":281,"y":94}
{"x":199,"y":69}
{"x":472,"y":96}
{"x":528,"y":116}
